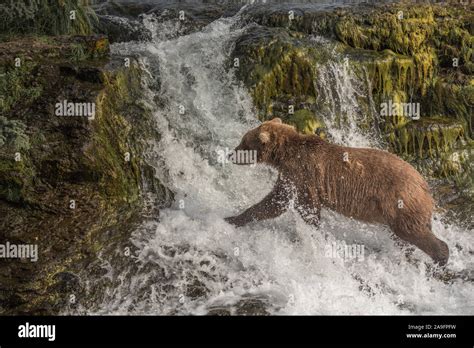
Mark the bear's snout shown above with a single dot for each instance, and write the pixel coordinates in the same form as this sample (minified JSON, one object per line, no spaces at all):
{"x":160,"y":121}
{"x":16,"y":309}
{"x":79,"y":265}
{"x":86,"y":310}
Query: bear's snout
{"x":242,"y":146}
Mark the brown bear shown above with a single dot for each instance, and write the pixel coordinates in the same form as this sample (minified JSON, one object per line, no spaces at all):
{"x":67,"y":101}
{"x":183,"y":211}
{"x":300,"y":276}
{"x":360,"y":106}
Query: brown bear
{"x":366,"y":184}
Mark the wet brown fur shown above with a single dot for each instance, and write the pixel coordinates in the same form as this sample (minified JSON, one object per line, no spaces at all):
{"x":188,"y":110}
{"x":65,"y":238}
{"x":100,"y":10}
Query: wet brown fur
{"x":365,"y":184}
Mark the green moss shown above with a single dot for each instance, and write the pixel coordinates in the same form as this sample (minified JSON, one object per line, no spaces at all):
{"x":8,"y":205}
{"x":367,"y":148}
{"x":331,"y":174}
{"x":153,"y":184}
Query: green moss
{"x":277,"y":66}
{"x":437,"y":146}
{"x":50,"y":17}
{"x":292,"y":75}
{"x":394,"y":76}
{"x":306,"y":122}
{"x":410,"y":57}
{"x":77,"y":53}
{"x":15,"y":177}
{"x":452,"y":99}
{"x":89,"y":47}
{"x":12,"y":135}
{"x":18,"y":84}
{"x":454,"y":165}
{"x":452,"y":38}
{"x":384,"y":29}
{"x":433,"y":136}
{"x":401,"y":53}
{"x":113,"y":138}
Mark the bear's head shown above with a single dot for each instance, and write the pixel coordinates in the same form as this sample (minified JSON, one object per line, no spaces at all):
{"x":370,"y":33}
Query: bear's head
{"x":264,"y":143}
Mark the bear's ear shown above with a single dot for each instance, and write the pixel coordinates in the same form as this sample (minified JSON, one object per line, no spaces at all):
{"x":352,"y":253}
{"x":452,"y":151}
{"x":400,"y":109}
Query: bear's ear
{"x":264,"y":137}
{"x":276,"y":120}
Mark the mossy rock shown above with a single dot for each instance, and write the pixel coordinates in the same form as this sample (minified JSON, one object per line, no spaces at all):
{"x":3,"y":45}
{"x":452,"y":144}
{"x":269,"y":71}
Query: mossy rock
{"x":390,"y":73}
{"x":46,"y":17}
{"x":306,"y":122}
{"x":279,"y":69}
{"x":16,"y":177}
{"x":24,"y":53}
{"x":65,"y":159}
{"x":437,"y":146}
{"x":453,"y":98}
{"x":17,"y":85}
{"x":433,"y":136}
{"x":405,"y":49}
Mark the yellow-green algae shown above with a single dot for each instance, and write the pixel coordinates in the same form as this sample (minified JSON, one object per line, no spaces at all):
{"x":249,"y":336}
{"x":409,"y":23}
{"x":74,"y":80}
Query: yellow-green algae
{"x":306,"y":122}
{"x":403,"y":51}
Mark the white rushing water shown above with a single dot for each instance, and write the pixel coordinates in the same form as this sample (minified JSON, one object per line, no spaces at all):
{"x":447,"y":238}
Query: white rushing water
{"x":282,"y":263}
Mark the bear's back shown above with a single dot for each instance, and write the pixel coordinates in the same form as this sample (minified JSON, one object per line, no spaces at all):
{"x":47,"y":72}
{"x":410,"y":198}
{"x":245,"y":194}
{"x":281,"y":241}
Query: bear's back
{"x":368,"y":184}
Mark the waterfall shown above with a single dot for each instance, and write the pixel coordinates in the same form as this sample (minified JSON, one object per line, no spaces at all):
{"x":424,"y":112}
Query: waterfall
{"x":190,"y":261}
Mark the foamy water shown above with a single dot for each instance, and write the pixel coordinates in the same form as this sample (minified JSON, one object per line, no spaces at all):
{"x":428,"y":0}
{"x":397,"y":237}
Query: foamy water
{"x":282,"y":263}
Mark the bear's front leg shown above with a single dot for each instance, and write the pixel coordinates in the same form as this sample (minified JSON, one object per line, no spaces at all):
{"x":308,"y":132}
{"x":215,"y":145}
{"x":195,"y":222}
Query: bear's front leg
{"x":273,"y":205}
{"x":308,"y":206}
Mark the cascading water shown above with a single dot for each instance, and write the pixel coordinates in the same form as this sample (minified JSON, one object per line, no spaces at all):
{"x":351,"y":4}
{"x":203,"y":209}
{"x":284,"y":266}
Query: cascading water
{"x":339,"y":89}
{"x":190,"y":261}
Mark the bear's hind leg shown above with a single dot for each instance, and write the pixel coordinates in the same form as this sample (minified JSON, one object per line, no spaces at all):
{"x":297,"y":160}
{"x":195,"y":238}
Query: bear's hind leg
{"x":420,"y":234}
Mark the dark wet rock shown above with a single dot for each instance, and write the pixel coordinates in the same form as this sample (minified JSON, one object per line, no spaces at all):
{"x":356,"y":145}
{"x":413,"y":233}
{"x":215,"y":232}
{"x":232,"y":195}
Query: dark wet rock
{"x":124,"y":21}
{"x":247,"y":305}
{"x":66,"y":282}
{"x":66,"y":182}
{"x":125,"y":9}
{"x":251,"y":306}
{"x":456,"y":201}
{"x":196,"y":289}
{"x":219,"y":312}
{"x":119,"y":29}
